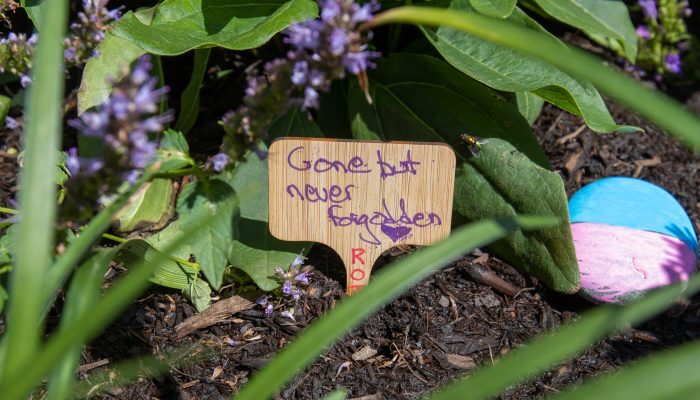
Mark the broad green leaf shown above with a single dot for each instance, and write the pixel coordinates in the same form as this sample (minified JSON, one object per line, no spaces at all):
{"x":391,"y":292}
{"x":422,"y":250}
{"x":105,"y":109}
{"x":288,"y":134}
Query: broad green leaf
{"x":501,"y":181}
{"x":504,"y":69}
{"x":255,"y":250}
{"x":173,"y":152}
{"x":553,"y":348}
{"x":84,"y":291}
{"x":37,"y":193}
{"x":249,"y":246}
{"x":182,"y":25}
{"x":115,"y":54}
{"x":150,"y":208}
{"x":387,"y":284}
{"x":529,"y":105}
{"x":189,"y":100}
{"x":411,"y":102}
{"x":33,"y":9}
{"x":654,"y":105}
{"x":7,"y":247}
{"x":206,"y":199}
{"x":170,"y":272}
{"x":606,"y":19}
{"x":294,"y":123}
{"x":494,"y":8}
{"x":417,"y":97}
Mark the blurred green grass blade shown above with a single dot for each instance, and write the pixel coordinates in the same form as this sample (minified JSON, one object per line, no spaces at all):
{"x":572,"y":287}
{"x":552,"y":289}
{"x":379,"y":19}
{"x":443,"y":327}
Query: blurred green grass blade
{"x":189,"y":100}
{"x":655,"y":106}
{"x":19,"y":380}
{"x":340,"y":394}
{"x":388,"y":284}
{"x":567,"y":341}
{"x":62,"y":267}
{"x":37,"y":194}
{"x":85,"y":290}
{"x":673,"y":374}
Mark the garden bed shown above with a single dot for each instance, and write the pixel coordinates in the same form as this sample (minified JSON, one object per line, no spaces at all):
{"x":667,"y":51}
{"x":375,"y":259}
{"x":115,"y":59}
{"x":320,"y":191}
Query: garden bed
{"x":442,"y":328}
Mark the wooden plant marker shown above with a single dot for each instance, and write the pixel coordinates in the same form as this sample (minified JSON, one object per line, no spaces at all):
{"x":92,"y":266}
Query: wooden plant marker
{"x":360,"y":198}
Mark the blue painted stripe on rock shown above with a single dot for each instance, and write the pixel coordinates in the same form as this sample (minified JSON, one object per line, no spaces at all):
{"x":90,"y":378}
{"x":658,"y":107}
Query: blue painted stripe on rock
{"x":633,"y":203}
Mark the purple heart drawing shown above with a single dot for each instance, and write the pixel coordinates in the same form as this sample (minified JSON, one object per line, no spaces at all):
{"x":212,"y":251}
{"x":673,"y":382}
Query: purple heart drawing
{"x":395,"y":232}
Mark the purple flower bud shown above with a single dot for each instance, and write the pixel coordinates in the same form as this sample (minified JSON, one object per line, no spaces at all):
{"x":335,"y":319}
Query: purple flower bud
{"x":11,"y":123}
{"x":279,"y":272}
{"x":337,"y":41}
{"x":296,"y":294}
{"x":131,"y":176}
{"x":287,"y":287}
{"x":643,"y":32}
{"x":316,"y":78}
{"x":673,"y":63}
{"x":262,"y":300}
{"x":303,"y":278}
{"x":25,"y":81}
{"x":311,"y":97}
{"x":330,"y":9}
{"x":287,"y":314}
{"x":301,"y":69}
{"x":268,"y":310}
{"x":219,"y":162}
{"x":72,"y":161}
{"x":298,"y":260}
{"x":359,"y":61}
{"x":649,"y":8}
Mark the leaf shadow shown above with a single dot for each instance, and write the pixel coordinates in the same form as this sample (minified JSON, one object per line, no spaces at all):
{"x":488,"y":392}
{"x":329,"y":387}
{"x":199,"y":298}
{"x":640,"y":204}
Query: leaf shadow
{"x":218,"y":14}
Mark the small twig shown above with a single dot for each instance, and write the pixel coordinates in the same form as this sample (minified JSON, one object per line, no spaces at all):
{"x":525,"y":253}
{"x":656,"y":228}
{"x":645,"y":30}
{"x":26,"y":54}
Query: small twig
{"x":485,"y":276}
{"x":408,"y":365}
{"x":87,"y":367}
{"x":572,"y":135}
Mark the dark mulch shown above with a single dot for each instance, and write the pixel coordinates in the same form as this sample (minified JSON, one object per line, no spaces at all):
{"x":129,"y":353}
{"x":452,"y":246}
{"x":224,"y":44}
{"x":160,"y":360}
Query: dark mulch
{"x":443,"y":327}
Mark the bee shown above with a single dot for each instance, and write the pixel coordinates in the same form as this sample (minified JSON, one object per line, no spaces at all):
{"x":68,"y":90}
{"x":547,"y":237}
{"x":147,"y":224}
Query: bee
{"x":473,"y":143}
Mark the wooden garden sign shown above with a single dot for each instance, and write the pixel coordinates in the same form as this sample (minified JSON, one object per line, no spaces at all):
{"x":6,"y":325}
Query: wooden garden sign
{"x":360,"y":198}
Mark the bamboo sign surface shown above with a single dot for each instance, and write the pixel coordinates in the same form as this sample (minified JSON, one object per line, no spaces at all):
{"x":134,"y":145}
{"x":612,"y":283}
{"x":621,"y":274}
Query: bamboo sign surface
{"x":360,"y":198}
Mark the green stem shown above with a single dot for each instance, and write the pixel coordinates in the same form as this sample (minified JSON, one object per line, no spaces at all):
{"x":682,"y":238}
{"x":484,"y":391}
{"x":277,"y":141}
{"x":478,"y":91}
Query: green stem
{"x":179,"y":173}
{"x":9,"y":211}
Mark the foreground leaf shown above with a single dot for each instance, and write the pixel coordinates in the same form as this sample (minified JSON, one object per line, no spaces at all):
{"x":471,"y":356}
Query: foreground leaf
{"x":494,"y":8}
{"x":182,"y":25}
{"x":606,"y":19}
{"x":150,"y":208}
{"x":421,"y":98}
{"x":529,"y":105}
{"x":504,"y":69}
{"x":33,"y":9}
{"x":387,"y":284}
{"x":34,"y":237}
{"x":412,"y":96}
{"x":115,"y":55}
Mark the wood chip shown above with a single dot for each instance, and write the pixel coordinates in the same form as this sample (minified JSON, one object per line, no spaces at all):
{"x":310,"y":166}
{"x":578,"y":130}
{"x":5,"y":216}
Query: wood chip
{"x":87,"y":367}
{"x":444,"y":301}
{"x":572,"y":135}
{"x":363,"y":354}
{"x":217,"y":312}
{"x":217,"y":371}
{"x":650,"y":162}
{"x":188,"y":384}
{"x":376,"y":396}
{"x":573,"y":162}
{"x":459,"y":361}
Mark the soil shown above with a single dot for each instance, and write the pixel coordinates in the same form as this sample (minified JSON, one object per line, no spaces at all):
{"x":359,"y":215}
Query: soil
{"x":443,"y":327}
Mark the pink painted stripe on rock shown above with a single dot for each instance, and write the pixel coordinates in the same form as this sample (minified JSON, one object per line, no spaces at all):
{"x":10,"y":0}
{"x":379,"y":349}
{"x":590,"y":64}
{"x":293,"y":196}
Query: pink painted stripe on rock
{"x":617,"y":262}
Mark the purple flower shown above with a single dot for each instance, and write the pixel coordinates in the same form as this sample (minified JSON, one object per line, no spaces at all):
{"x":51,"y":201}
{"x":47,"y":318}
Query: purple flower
{"x":268,"y":310}
{"x":287,"y":287}
{"x":643,"y":32}
{"x":299,"y":73}
{"x":219,"y":162}
{"x":298,"y":261}
{"x":72,"y":161}
{"x":673,"y":63}
{"x":11,"y":123}
{"x":649,"y":8}
{"x":311,"y":97}
{"x":336,"y":41}
{"x":262,"y":300}
{"x":287,"y":314}
{"x":303,"y":278}
{"x":89,"y":31}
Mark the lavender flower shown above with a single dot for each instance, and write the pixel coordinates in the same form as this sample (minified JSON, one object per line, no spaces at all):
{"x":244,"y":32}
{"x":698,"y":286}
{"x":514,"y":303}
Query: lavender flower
{"x":321,"y":51}
{"x":89,"y":31}
{"x":122,"y":127}
{"x":16,"y":55}
{"x":649,"y":8}
{"x":673,"y":63}
{"x":643,"y":32}
{"x":219,"y":162}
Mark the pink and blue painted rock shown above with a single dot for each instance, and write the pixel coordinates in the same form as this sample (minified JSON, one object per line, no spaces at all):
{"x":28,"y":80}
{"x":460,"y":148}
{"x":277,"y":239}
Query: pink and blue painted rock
{"x":630,"y":236}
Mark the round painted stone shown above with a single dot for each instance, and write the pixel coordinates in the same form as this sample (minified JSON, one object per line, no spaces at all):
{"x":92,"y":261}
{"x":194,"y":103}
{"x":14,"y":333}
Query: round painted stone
{"x":630,"y":236}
